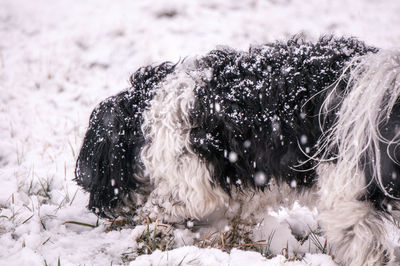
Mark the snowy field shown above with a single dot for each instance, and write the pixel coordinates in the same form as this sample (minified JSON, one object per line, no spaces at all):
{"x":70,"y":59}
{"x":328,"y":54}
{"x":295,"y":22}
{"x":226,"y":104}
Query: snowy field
{"x":59,"y":58}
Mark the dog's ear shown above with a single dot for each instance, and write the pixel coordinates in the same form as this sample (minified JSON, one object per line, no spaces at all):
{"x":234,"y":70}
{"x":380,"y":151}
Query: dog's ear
{"x":108,"y":164}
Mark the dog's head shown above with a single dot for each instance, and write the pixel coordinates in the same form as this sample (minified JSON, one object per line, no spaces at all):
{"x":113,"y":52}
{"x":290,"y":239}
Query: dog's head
{"x":107,"y":164}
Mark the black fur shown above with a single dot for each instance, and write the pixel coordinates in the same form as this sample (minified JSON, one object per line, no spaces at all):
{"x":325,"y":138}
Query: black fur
{"x":108,"y":165}
{"x":269,"y":102}
{"x":390,"y":164}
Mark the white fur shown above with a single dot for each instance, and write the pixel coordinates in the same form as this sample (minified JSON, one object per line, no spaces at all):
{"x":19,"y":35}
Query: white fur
{"x":373,"y":89}
{"x":182,"y":181}
{"x":353,"y":226}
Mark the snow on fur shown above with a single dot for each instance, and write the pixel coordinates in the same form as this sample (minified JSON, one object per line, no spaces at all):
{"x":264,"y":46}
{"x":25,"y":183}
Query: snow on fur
{"x":58,"y":60}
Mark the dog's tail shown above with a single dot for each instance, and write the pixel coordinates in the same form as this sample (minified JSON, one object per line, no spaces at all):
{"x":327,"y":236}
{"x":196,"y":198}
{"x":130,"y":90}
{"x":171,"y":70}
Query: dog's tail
{"x":109,"y":164}
{"x":362,"y":109}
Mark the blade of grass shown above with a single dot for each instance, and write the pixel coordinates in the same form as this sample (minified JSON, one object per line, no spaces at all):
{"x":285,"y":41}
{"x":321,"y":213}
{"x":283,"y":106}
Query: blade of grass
{"x":80,"y":223}
{"x":28,"y":219}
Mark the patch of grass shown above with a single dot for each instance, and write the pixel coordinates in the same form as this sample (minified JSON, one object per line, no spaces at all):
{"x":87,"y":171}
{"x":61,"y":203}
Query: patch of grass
{"x":20,"y":155}
{"x":324,"y":248}
{"x":45,"y":189}
{"x":294,"y":257}
{"x":158,"y":236}
{"x":237,"y":235}
{"x":266,"y":250}
{"x":194,"y":261}
{"x":37,"y":186}
{"x":119,"y":224}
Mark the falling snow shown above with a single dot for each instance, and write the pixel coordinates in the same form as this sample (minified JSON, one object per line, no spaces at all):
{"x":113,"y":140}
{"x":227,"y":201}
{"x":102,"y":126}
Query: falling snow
{"x":59,"y":59}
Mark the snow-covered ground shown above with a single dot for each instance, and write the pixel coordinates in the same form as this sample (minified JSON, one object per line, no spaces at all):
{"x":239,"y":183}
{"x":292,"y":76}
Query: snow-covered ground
{"x":59,"y":58}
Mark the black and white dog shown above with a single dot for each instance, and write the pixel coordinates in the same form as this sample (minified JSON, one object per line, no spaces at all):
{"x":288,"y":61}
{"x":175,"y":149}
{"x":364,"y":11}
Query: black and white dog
{"x":185,"y":136}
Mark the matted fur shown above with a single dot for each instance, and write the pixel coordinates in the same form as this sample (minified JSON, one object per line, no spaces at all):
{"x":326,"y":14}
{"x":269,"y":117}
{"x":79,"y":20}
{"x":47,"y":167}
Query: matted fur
{"x":189,"y":138}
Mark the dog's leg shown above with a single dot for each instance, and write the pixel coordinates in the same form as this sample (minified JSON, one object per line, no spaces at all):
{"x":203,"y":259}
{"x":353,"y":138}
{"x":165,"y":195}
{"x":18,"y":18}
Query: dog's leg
{"x":182,"y":182}
{"x":362,"y":127}
{"x":352,"y":226}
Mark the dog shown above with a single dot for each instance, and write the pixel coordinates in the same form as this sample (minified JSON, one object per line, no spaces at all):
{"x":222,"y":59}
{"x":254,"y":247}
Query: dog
{"x":322,"y":115}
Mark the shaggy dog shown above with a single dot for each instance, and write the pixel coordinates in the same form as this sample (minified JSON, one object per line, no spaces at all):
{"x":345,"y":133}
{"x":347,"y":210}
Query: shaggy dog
{"x":186,"y":136}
